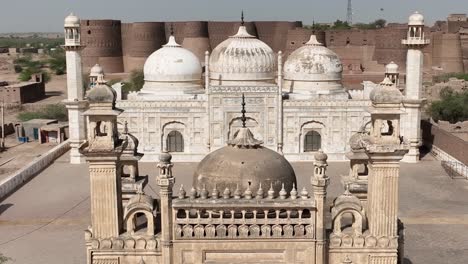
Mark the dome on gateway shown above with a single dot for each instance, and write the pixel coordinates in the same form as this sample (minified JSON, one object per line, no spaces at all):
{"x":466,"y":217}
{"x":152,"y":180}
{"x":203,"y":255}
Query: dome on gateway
{"x":242,"y":57}
{"x":172,"y":63}
{"x":313,"y":62}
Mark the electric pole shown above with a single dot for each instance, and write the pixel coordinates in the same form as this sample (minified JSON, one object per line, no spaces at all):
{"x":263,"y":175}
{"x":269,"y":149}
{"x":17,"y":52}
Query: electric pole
{"x":349,"y":16}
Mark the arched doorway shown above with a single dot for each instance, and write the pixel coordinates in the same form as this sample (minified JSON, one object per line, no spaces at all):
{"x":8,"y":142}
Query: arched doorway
{"x":175,"y":142}
{"x":312,"y":141}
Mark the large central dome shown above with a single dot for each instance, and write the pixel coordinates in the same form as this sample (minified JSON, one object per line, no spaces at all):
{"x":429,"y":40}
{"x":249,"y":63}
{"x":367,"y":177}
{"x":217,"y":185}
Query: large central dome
{"x":242,"y":163}
{"x":243,"y":58}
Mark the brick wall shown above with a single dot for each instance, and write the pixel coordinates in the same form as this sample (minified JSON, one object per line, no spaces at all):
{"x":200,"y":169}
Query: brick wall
{"x":454,"y":146}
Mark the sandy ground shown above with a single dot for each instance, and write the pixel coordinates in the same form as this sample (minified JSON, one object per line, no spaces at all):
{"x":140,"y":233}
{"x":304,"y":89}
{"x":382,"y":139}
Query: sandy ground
{"x":43,"y":222}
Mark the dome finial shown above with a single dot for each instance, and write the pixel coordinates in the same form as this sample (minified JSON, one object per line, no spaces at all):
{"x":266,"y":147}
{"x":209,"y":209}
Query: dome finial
{"x":172,"y":29}
{"x":126,"y":127}
{"x":242,"y":17}
{"x":243,"y":118}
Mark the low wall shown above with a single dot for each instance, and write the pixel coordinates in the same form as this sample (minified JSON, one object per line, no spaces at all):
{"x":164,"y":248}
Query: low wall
{"x":444,"y":142}
{"x":34,"y":167}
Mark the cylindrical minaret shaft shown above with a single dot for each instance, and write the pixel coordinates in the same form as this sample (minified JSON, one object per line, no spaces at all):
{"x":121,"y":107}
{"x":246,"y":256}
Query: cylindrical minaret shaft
{"x":165,"y":181}
{"x":75,"y":90}
{"x":280,"y":102}
{"x":412,"y":102}
{"x":320,"y":183}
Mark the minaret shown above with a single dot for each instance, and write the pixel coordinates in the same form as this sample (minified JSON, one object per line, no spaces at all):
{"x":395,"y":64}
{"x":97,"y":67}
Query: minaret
{"x":103,"y":150}
{"x":320,"y":183}
{"x":412,"y":102}
{"x":385,"y":149}
{"x":75,"y":102}
{"x":166,"y":181}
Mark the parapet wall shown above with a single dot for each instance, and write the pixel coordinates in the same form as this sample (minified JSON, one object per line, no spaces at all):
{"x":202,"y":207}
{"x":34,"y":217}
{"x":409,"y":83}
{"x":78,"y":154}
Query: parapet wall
{"x":124,"y":47}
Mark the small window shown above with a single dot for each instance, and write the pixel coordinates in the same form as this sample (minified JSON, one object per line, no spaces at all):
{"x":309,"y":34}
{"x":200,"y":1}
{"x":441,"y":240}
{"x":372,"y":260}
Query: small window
{"x":292,"y":42}
{"x":175,"y":142}
{"x":312,"y":141}
{"x":89,"y":32}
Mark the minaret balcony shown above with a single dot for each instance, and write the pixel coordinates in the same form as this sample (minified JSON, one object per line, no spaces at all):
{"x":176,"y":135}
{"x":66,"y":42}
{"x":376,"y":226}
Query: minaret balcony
{"x":415,"y":41}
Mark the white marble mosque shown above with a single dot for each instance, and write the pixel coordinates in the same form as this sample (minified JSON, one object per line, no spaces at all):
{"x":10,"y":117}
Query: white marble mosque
{"x":246,"y":118}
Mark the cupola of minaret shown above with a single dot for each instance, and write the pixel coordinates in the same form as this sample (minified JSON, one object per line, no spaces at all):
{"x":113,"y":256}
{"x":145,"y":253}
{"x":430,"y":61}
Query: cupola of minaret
{"x":72,"y":31}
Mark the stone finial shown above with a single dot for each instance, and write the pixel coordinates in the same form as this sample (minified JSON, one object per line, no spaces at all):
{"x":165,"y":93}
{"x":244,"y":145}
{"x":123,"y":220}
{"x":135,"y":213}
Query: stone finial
{"x":260,"y":193}
{"x":243,"y":118}
{"x":293,"y":193}
{"x":282,"y":193}
{"x":271,"y":192}
{"x":215,"y":193}
{"x":242,"y":17}
{"x":193,"y":193}
{"x":182,"y":192}
{"x":304,"y":193}
{"x":227,"y":193}
{"x":237,"y":192}
{"x":248,"y":193}
{"x":204,"y":192}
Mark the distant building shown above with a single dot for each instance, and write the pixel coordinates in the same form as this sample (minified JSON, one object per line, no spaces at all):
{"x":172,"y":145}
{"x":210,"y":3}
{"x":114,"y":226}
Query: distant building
{"x":23,"y":92}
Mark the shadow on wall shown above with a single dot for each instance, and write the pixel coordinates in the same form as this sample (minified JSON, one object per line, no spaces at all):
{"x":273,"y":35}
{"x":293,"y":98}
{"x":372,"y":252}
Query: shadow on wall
{"x":407,"y":261}
{"x":4,"y":207}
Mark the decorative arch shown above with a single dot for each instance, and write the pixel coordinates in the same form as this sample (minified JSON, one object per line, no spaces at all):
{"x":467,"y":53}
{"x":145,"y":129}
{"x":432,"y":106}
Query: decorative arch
{"x":312,"y":141}
{"x":175,"y":141}
{"x":358,"y":225}
{"x":131,"y":217}
{"x":178,"y":129}
{"x":308,"y":128}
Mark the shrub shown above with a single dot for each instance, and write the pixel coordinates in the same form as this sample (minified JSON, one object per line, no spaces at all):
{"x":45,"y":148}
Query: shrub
{"x":58,"y":62}
{"x":4,"y":259}
{"x":18,"y":68}
{"x":452,"y":107}
{"x":135,"y":82}
{"x":52,"y":111}
{"x":445,"y":77}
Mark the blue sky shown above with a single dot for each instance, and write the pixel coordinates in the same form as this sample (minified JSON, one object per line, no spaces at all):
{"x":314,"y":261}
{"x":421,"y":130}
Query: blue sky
{"x":47,"y":15}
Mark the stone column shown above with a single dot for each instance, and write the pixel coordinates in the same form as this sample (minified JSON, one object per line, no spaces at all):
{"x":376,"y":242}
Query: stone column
{"x":383,"y":193}
{"x":208,"y":104}
{"x":75,"y":102}
{"x":106,"y":197}
{"x":165,"y":181}
{"x":280,"y":102}
{"x":320,"y":183}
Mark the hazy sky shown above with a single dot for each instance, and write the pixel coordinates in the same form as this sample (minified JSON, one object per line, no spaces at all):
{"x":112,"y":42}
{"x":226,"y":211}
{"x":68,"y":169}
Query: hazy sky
{"x":47,"y":15}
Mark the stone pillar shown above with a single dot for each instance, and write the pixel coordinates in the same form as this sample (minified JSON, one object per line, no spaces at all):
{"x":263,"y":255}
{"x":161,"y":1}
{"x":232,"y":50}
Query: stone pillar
{"x":411,"y":122}
{"x":208,"y":104}
{"x":166,"y":181}
{"x":280,"y":102}
{"x":106,"y":197}
{"x":383,"y":193}
{"x":320,"y":183}
{"x":75,"y":102}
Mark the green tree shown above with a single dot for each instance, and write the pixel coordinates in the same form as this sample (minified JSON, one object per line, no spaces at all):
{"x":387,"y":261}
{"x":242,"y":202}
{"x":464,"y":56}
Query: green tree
{"x":341,"y":25}
{"x":452,"y":107}
{"x":4,"y":259}
{"x":135,"y":81}
{"x":57,"y":62}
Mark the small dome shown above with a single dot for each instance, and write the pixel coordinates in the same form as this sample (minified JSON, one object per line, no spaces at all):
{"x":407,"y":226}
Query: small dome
{"x":244,"y":161}
{"x":72,"y":21}
{"x":321,"y":156}
{"x":165,"y":157}
{"x":313,"y":62}
{"x":172,"y":63}
{"x":101,"y":93}
{"x":392,"y":67}
{"x":140,"y":201}
{"x":386,"y":93}
{"x":242,"y":57}
{"x":416,"y":19}
{"x":96,"y":70}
